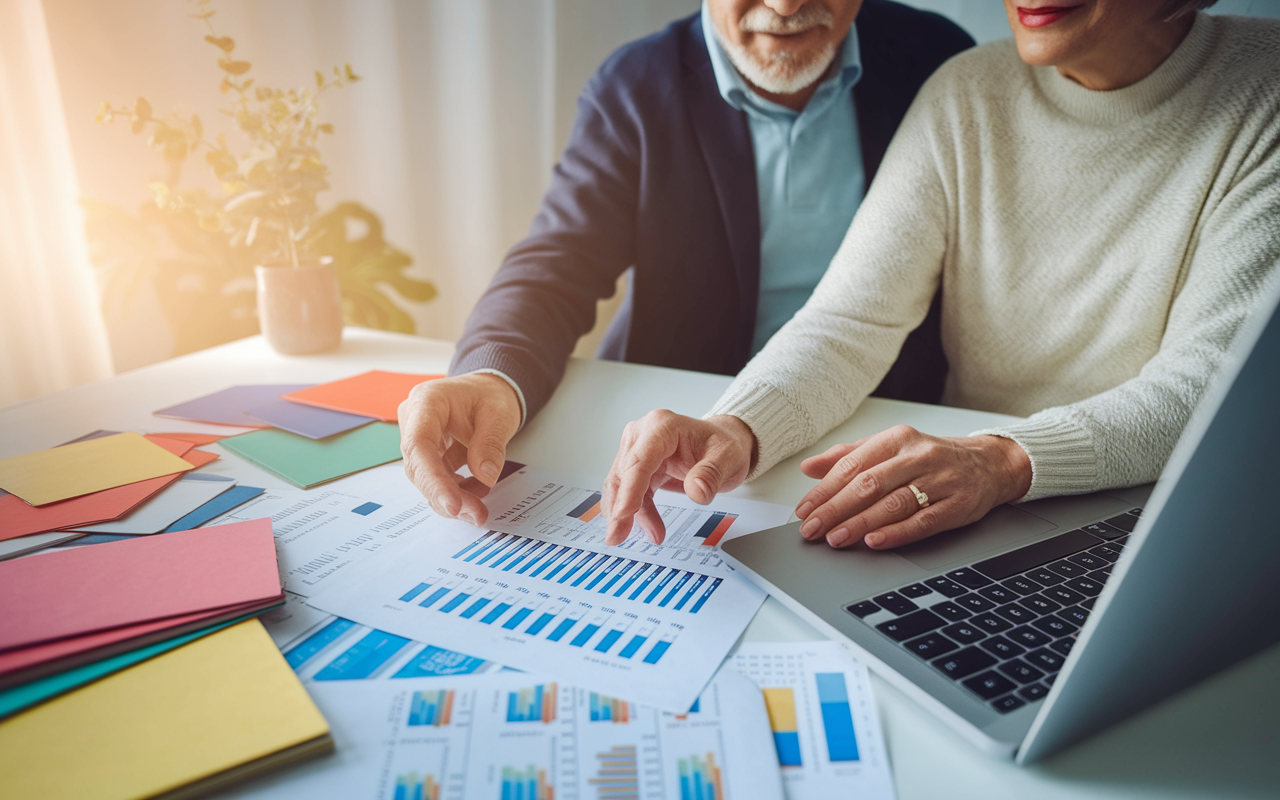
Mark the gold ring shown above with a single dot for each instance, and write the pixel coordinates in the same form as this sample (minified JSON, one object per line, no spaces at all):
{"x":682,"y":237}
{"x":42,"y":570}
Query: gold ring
{"x":921,"y":497}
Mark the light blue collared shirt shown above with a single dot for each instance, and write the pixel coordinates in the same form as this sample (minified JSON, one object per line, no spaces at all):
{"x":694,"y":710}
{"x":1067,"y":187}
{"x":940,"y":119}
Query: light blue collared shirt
{"x":809,"y":179}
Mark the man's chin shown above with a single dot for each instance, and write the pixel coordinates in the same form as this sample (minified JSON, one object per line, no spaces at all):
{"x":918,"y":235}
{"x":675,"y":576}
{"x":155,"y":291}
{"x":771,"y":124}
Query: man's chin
{"x":784,"y":72}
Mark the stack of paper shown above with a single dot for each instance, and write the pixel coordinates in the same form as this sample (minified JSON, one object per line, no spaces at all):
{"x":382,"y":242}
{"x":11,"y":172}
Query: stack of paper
{"x":216,"y":711}
{"x":374,"y":394}
{"x":74,"y":470}
{"x":81,"y":605}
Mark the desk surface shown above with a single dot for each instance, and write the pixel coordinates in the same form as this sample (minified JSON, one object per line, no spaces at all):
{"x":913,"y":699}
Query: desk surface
{"x":1218,"y":739}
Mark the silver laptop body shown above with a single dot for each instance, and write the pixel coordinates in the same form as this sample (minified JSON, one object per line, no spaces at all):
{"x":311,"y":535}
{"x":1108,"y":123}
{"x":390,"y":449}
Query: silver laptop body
{"x":1195,"y":588}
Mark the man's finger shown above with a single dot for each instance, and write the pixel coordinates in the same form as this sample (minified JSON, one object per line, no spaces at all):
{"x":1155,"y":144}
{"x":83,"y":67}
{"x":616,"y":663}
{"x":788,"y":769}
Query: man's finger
{"x":487,"y":449}
{"x":640,"y":465}
{"x":650,"y":520}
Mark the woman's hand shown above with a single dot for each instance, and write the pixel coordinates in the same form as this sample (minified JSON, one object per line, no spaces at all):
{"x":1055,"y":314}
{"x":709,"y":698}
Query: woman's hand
{"x":865,"y":495}
{"x":664,"y":450}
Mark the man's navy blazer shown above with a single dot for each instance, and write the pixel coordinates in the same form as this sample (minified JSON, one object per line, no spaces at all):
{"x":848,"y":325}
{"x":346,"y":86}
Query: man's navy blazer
{"x":659,"y":177}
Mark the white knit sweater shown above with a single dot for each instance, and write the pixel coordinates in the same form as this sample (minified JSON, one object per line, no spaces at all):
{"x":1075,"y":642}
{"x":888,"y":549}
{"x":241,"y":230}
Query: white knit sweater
{"x":1096,"y":250}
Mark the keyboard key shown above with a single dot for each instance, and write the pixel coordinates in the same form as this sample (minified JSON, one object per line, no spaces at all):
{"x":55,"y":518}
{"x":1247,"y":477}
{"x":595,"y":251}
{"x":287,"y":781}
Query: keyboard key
{"x":975,"y":603}
{"x":964,"y":662}
{"x":862,"y":610}
{"x":1101,"y":575}
{"x":1088,"y":604}
{"x":1002,"y":648}
{"x":1107,"y":553}
{"x":914,"y":590}
{"x":1039,"y":604}
{"x":1045,"y":577}
{"x":1027,"y":636}
{"x":949,"y":610}
{"x":931,"y":645}
{"x":892,"y":601}
{"x":945,"y":586}
{"x":1022,"y":585}
{"x":1049,"y":679}
{"x":1054,"y":627}
{"x":1007,"y":703}
{"x":1021,"y":671}
{"x":1033,"y":692}
{"x":1061,"y":594}
{"x":1085,"y":586}
{"x":1122,"y":541}
{"x":1016,"y":613}
{"x":1063,"y":646}
{"x":998,"y":594}
{"x":967,"y":577}
{"x":1125,"y":522}
{"x":1035,"y":555}
{"x":1066,"y":569}
{"x":912,"y":625}
{"x":1045,"y":660}
{"x":1088,"y":561}
{"x":1104,"y":531}
{"x":1137,"y":512}
{"x":989,"y":684}
{"x":1075,"y":615}
{"x":964,"y":633}
{"x":990,"y":623}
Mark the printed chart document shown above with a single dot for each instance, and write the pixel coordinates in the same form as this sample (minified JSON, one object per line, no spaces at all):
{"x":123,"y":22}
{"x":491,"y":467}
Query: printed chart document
{"x":823,"y":717}
{"x":554,"y":507}
{"x":517,"y":736}
{"x":651,"y":627}
{"x":322,"y":647}
{"x":322,"y":532}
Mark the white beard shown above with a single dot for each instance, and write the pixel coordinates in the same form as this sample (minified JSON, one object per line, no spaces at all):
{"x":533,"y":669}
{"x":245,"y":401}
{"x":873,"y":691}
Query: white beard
{"x":784,"y":72}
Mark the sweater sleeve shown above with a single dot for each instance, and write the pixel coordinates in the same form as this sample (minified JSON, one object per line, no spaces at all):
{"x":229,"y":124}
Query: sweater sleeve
{"x":543,"y":297}
{"x":819,"y":367}
{"x":1124,"y":436}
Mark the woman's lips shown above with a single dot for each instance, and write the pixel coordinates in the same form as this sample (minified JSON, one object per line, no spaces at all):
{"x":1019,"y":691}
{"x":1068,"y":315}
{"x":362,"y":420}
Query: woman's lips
{"x":1039,"y":17}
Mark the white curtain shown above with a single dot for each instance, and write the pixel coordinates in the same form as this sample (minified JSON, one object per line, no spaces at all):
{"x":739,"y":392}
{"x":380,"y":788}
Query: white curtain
{"x":51,"y":331}
{"x":450,"y":137}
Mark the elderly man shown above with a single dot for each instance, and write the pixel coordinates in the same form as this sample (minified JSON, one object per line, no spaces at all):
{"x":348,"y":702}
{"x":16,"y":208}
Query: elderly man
{"x":721,"y":161}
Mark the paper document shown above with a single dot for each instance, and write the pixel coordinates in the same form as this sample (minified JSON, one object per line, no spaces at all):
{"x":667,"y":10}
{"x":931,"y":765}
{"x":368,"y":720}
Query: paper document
{"x":517,"y":736}
{"x":612,"y":623}
{"x":323,"y":532}
{"x":228,"y":406}
{"x":309,"y":462}
{"x":167,"y":507}
{"x":823,"y":716}
{"x":72,"y":470}
{"x":376,"y":393}
{"x":554,"y":507}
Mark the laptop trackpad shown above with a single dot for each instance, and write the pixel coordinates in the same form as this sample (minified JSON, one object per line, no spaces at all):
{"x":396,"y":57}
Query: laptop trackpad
{"x":1002,"y":527}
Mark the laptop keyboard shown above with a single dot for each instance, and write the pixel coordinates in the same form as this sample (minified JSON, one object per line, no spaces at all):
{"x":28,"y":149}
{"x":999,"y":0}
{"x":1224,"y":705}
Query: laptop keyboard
{"x":1002,"y":627}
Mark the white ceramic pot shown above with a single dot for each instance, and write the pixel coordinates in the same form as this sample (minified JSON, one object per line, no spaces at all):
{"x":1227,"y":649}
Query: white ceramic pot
{"x":300,"y":308}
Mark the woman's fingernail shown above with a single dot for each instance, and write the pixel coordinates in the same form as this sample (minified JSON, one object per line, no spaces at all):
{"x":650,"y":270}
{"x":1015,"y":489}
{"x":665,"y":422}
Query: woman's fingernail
{"x":811,"y":528}
{"x":875,"y":539}
{"x":838,"y":537}
{"x":803,"y":510}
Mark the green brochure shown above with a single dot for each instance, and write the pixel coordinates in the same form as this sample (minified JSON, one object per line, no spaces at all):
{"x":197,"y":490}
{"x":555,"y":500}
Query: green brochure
{"x":309,"y":462}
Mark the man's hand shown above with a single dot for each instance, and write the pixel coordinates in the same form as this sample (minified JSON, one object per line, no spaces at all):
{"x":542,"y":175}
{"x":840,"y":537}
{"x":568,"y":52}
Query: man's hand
{"x":663,"y":450}
{"x":454,"y":421}
{"x":865,"y":494}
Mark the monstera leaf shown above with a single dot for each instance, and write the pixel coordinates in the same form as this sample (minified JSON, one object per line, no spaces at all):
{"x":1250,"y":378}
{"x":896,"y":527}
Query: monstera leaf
{"x":365,"y":262}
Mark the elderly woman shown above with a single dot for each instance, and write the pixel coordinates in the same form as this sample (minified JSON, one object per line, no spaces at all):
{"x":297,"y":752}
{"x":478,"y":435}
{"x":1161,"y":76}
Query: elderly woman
{"x":1100,"y":200}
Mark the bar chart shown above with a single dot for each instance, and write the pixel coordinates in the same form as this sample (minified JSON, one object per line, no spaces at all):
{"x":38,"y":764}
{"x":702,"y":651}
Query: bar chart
{"x":700,"y":778}
{"x":338,"y":649}
{"x":822,"y":715}
{"x":431,"y":708}
{"x":533,"y":704}
{"x":610,"y":709}
{"x":416,"y":787}
{"x":617,"y":774}
{"x":529,"y":783}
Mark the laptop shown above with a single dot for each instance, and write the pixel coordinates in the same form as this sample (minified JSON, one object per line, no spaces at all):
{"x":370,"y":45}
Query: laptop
{"x":1048,"y":621}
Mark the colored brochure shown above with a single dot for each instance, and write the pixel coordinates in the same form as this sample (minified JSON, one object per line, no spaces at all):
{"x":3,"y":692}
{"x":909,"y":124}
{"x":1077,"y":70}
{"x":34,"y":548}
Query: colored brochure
{"x":637,"y":629}
{"x":511,"y":735}
{"x":822,"y":713}
{"x":536,"y":504}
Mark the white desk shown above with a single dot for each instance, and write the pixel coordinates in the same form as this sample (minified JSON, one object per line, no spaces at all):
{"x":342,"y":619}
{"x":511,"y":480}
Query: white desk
{"x":1219,"y":739}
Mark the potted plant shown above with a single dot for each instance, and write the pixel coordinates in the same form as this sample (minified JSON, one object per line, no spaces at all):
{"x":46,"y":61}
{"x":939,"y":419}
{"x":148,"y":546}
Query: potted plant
{"x":266,"y":224}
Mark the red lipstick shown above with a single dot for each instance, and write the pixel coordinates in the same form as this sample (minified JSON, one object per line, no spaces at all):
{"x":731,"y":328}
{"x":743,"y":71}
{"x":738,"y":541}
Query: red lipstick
{"x":1045,"y":15}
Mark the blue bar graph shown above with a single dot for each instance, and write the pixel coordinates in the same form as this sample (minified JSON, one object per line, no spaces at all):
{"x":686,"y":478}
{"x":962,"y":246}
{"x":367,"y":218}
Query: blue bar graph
{"x":364,"y":658}
{"x":434,"y":596}
{"x":431,"y":708}
{"x":549,"y":561}
{"x":477,"y":543}
{"x":517,"y":618}
{"x":539,"y":623}
{"x":414,"y":592}
{"x":458,"y":599}
{"x":837,"y":717}
{"x":618,"y":576}
{"x":474,"y":607}
{"x":692,"y":591}
{"x":561,"y":629}
{"x":671,"y":573}
{"x":675,"y":589}
{"x":305,"y":650}
{"x":634,"y":576}
{"x":706,"y":596}
{"x":438,"y":661}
